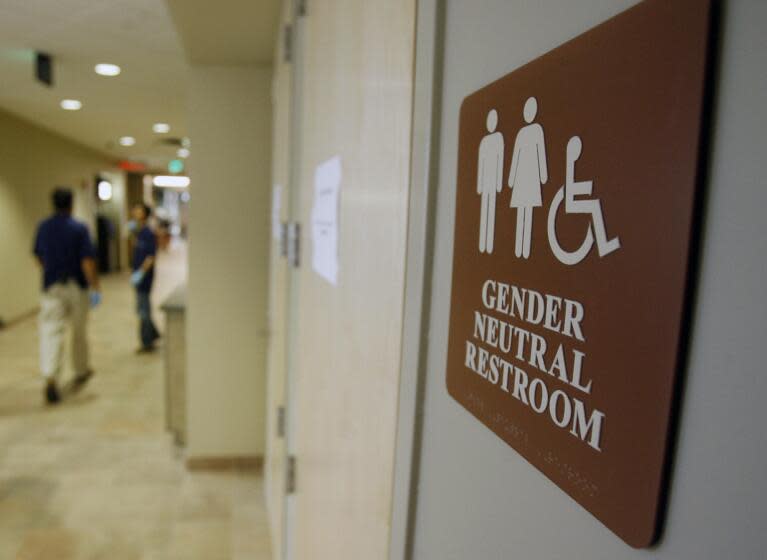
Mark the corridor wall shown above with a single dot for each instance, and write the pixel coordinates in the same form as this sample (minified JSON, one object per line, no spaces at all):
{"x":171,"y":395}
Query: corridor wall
{"x":478,"y":498}
{"x":230,"y":122}
{"x":32,"y":162}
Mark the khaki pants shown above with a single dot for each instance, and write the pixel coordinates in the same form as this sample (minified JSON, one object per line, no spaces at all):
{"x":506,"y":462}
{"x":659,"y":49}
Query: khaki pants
{"x":61,"y":304}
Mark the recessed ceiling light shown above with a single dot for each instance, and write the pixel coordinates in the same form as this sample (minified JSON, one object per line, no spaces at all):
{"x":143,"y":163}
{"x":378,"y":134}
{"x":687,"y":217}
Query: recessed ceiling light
{"x":173,"y":181}
{"x":161,"y":128}
{"x":107,"y":69}
{"x":183,"y":153}
{"x":71,"y":104}
{"x":127,"y":141}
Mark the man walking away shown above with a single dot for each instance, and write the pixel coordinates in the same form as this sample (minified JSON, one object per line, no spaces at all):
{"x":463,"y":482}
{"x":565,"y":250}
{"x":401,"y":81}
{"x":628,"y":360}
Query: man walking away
{"x":143,"y":276}
{"x":64,"y":249}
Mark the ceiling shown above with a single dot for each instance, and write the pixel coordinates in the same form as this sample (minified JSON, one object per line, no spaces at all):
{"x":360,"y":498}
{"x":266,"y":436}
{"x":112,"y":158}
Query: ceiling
{"x":230,"y":32}
{"x":141,"y":37}
{"x":138,"y":35}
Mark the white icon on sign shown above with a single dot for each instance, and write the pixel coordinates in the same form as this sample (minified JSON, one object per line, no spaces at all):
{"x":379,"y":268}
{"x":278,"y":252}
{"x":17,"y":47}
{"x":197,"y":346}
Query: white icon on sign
{"x":528,"y":172}
{"x":489,"y":180}
{"x":568,"y":192}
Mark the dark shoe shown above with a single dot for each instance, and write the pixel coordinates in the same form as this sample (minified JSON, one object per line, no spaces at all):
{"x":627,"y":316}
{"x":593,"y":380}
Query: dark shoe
{"x":52,"y":395}
{"x":80,"y":381}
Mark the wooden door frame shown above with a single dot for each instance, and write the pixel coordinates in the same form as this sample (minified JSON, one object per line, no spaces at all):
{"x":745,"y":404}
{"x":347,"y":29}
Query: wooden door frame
{"x":424,"y":176}
{"x":298,"y":23}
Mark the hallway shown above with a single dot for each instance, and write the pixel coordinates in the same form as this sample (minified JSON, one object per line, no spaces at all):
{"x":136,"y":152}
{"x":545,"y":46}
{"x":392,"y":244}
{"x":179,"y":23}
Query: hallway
{"x":98,"y":477}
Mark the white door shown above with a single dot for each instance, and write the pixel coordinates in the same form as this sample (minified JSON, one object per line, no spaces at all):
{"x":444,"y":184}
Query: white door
{"x":353,"y":90}
{"x":472,"y":496}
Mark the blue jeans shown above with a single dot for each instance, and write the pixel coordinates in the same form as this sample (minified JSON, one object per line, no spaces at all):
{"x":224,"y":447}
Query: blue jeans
{"x":147,"y":331}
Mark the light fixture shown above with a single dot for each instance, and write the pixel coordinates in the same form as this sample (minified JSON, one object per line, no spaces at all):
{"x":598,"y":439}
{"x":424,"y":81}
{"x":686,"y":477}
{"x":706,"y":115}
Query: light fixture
{"x":71,"y":104}
{"x":105,"y":190}
{"x":107,"y":69}
{"x":127,"y":141}
{"x":173,"y":181}
{"x":160,"y":128}
{"x":183,"y":152}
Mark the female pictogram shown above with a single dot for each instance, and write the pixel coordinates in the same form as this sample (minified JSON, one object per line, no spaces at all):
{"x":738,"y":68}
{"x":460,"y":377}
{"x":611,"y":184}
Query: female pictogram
{"x":528,"y":172}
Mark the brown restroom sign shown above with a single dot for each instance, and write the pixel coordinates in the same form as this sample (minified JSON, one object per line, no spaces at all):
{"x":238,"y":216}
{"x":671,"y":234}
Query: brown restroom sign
{"x":576,"y":188}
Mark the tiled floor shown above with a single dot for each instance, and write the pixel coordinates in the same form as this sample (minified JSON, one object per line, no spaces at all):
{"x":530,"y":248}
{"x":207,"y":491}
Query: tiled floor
{"x":97,"y":477}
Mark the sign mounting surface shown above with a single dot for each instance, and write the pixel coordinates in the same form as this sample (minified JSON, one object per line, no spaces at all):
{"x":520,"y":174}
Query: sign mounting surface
{"x":576,"y":186}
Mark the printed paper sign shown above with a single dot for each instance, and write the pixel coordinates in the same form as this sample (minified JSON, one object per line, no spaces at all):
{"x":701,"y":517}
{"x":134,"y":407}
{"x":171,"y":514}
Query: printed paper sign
{"x":327,"y":185}
{"x":576,"y":186}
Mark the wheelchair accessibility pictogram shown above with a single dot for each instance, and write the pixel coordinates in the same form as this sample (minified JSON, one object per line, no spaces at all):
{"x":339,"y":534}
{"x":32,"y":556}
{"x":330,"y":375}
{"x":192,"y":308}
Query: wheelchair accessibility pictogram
{"x":568,"y":192}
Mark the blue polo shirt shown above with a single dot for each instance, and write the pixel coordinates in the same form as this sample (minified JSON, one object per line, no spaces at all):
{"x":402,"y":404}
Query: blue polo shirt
{"x":61,"y":244}
{"x":146,"y":246}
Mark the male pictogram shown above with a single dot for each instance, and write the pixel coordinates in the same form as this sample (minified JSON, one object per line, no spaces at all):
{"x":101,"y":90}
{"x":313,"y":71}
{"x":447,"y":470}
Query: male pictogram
{"x":489,"y":180}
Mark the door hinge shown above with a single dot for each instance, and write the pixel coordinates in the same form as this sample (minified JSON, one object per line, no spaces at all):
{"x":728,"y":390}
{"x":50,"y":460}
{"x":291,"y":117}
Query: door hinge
{"x":283,"y":239}
{"x":287,"y":43}
{"x":281,"y":421}
{"x":301,"y":7}
{"x":290,"y":475}
{"x":294,"y":244}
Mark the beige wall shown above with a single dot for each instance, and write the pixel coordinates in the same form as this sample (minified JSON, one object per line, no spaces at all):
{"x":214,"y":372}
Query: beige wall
{"x":230,"y":124}
{"x":32,"y":162}
{"x":477,"y":497}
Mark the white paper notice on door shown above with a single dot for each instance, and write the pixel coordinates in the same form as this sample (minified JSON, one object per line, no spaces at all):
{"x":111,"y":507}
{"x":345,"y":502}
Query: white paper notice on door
{"x":276,"y":212}
{"x":327,"y":186}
